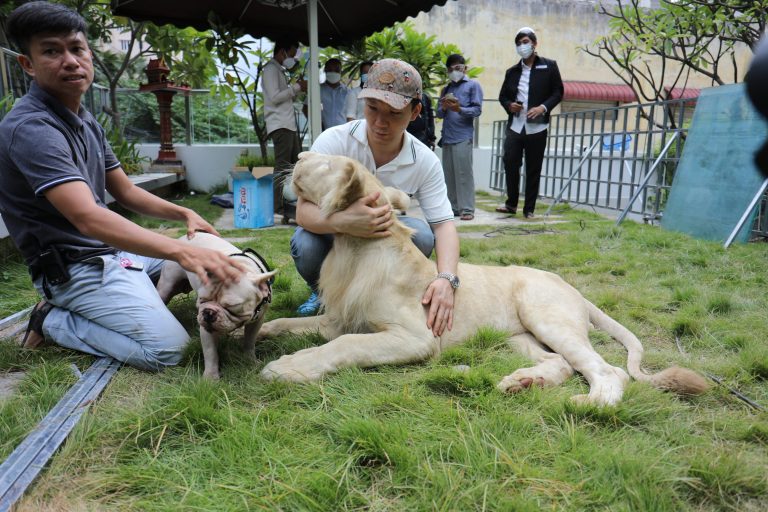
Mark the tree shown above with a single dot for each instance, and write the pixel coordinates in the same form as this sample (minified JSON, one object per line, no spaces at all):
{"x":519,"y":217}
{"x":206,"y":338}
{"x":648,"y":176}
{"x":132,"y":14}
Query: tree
{"x":401,"y":42}
{"x":646,"y":48}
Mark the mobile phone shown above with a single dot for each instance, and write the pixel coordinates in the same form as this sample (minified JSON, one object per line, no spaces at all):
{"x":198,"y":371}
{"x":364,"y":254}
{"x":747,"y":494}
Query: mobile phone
{"x":54,"y":269}
{"x":449,"y":96}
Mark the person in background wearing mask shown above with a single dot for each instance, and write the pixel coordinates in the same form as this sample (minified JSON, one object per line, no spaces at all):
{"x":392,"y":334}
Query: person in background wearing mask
{"x":355,"y":105}
{"x":423,"y":127}
{"x":531,"y":89}
{"x":461,"y":101}
{"x":279,"y":113}
{"x":333,"y":95}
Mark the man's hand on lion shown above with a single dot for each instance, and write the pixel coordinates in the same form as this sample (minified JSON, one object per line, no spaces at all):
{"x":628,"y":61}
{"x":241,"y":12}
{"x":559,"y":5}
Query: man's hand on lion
{"x":364,"y":219}
{"x":439,"y":298}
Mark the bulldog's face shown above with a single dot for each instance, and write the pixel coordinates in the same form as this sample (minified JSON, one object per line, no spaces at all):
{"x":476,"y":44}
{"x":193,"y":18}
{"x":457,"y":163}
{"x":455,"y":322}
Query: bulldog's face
{"x":223,"y":308}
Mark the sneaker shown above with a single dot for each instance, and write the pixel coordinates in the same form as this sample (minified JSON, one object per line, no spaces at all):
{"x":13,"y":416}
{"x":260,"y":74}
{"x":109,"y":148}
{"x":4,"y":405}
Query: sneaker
{"x":310,"y":307}
{"x":529,"y":215}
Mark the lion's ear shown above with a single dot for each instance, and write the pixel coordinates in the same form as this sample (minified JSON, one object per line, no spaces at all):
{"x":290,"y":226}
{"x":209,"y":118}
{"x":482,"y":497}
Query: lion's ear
{"x":350,"y":189}
{"x":398,"y":198}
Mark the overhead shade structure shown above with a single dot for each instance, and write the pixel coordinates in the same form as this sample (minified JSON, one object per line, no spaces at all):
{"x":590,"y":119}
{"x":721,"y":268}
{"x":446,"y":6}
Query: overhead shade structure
{"x":316,"y":23}
{"x":338,"y":21}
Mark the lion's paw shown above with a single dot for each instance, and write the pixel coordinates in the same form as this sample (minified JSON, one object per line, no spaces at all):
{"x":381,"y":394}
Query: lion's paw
{"x":299,"y":367}
{"x":512,"y":384}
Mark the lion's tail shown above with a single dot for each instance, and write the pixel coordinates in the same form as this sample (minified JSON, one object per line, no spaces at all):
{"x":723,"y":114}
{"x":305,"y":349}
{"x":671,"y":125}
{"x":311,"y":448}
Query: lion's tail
{"x":679,"y":380}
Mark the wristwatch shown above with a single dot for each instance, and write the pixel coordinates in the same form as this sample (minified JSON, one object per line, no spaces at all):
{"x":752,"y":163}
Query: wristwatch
{"x":452,"y":278}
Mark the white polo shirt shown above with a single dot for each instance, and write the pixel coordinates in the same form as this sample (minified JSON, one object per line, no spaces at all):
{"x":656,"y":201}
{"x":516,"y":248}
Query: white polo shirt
{"x":415,"y":171}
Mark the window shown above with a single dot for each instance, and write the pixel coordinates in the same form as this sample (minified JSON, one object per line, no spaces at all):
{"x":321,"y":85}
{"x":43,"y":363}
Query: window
{"x":124,"y":44}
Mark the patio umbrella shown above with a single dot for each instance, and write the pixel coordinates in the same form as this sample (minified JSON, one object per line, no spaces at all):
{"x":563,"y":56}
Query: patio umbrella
{"x":313,"y":22}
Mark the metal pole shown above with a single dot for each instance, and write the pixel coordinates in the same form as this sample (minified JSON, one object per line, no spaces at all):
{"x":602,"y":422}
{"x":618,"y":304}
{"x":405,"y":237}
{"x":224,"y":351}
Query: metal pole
{"x":744,"y":217}
{"x":647,"y":178}
{"x":314,"y":71}
{"x":573,"y":175}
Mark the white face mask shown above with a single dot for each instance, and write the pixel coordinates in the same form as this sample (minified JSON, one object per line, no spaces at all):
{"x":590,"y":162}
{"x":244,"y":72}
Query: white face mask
{"x":363,"y":78}
{"x":332,"y":77}
{"x":289,"y":62}
{"x":525,"y":50}
{"x":455,"y":76}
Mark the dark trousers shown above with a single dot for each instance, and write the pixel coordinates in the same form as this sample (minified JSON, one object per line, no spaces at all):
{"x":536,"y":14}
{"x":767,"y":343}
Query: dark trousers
{"x":287,"y":149}
{"x":514,"y":146}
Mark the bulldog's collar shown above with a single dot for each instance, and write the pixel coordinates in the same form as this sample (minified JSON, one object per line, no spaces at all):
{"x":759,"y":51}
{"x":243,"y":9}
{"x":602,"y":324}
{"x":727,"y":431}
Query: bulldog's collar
{"x":262,"y":264}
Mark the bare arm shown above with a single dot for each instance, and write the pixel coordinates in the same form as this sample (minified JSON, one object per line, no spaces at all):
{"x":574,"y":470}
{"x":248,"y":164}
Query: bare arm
{"x":140,"y":201}
{"x":75,"y":201}
{"x":362,"y":218}
{"x":440,"y":294}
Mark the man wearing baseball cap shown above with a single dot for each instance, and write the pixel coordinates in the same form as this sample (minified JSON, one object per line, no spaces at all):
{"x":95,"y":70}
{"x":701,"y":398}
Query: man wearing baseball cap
{"x":380,"y":142}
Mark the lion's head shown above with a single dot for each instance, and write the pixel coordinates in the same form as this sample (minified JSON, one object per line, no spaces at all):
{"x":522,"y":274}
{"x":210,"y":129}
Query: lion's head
{"x":335,"y":182}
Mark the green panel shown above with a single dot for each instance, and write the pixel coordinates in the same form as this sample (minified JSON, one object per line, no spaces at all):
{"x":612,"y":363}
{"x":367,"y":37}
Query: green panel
{"x":717,"y":178}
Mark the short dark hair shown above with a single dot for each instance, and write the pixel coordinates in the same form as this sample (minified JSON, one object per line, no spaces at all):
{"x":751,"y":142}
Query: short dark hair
{"x":363,"y":64}
{"x":523,"y":34}
{"x":33,"y":18}
{"x":332,"y":60}
{"x":284,"y":44}
{"x":453,"y":59}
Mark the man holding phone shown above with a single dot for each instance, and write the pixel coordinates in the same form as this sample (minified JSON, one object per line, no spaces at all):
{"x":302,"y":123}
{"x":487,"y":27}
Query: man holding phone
{"x":94,"y":267}
{"x":531,"y":89}
{"x":461,"y":101}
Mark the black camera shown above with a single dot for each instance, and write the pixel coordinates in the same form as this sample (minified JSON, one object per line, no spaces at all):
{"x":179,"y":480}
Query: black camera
{"x":53,"y":266}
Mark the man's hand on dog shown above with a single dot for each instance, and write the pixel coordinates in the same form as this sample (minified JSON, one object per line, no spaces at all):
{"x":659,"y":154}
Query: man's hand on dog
{"x":439,"y":299}
{"x":196,"y":223}
{"x":207,"y":263}
{"x":364,"y":219}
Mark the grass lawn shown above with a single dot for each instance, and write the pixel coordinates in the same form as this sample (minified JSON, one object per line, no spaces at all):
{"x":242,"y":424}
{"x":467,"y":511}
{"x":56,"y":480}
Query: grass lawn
{"x":428,"y":436}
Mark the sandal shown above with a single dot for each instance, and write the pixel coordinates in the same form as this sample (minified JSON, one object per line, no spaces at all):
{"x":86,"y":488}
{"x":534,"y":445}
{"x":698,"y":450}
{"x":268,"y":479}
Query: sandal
{"x":34,"y":336}
{"x":467,"y":216}
{"x":504,"y":209}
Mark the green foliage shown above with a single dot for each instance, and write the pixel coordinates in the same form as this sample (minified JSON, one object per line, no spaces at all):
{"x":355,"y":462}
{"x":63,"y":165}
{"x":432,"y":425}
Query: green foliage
{"x":698,"y":36}
{"x":249,"y":160}
{"x":125,"y":150}
{"x":403,"y":42}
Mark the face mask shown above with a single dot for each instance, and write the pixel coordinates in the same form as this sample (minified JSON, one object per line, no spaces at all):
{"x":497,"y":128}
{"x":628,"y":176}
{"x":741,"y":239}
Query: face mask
{"x":525,"y":50}
{"x":332,"y":78}
{"x":363,"y":78}
{"x":289,"y":62}
{"x":455,"y":76}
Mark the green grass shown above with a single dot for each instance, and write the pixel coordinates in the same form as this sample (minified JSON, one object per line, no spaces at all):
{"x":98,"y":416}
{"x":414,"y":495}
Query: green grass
{"x":430,"y":436}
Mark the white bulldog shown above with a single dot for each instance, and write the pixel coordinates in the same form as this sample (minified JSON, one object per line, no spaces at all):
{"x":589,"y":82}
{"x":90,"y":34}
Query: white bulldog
{"x":222,"y":308}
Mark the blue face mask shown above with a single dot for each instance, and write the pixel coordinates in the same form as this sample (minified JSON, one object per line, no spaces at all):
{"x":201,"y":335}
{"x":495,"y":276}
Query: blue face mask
{"x":363,"y":78}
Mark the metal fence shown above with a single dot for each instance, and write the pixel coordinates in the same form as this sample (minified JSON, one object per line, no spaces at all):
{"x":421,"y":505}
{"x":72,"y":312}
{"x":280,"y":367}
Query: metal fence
{"x":620,"y":159}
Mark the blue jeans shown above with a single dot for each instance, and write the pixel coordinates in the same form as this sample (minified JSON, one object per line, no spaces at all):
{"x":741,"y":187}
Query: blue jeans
{"x":309,"y":249}
{"x":108,"y":310}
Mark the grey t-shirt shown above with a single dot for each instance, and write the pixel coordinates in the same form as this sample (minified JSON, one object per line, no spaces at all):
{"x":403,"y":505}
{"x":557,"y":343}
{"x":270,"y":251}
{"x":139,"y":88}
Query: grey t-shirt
{"x":43,"y":144}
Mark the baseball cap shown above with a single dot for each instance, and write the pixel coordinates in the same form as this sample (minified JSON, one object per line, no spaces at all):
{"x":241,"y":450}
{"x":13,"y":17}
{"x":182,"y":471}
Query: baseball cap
{"x":394,"y":82}
{"x":525,"y":31}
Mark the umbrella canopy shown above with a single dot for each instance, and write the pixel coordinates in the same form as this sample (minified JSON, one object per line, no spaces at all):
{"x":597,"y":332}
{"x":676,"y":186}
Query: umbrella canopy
{"x":338,"y":21}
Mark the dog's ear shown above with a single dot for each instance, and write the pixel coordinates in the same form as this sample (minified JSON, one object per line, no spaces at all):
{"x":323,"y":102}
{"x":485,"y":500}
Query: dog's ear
{"x":398,"y":198}
{"x":349,"y":190}
{"x":262,"y":280}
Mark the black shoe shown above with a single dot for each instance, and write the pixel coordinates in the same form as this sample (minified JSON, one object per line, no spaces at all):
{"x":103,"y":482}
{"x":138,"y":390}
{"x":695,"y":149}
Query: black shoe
{"x":34,"y":337}
{"x":506,"y":209}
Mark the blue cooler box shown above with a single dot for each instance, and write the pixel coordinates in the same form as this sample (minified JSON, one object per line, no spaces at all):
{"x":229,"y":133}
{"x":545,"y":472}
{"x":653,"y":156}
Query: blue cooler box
{"x":253,"y":198}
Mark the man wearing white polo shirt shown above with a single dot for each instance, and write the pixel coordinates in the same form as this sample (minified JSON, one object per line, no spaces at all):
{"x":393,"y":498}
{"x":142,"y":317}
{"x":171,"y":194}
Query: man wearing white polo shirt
{"x":380,"y":141}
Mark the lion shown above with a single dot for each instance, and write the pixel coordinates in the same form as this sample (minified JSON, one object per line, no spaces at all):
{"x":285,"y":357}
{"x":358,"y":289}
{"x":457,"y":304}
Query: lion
{"x":372,"y":289}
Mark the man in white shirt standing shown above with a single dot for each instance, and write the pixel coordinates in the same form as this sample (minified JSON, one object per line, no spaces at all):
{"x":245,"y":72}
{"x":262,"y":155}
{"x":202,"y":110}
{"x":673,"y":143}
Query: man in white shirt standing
{"x":279,"y":113}
{"x":380,"y":142}
{"x":531,"y":89}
